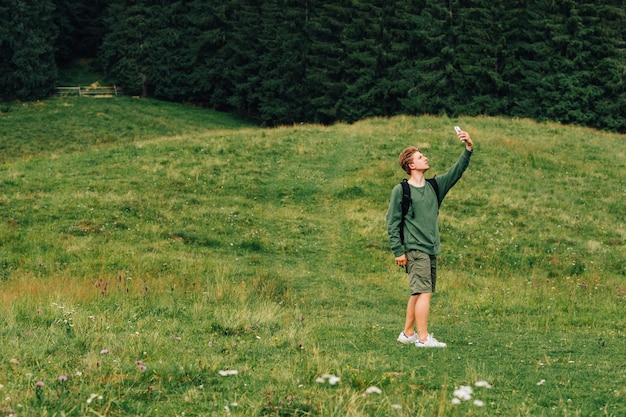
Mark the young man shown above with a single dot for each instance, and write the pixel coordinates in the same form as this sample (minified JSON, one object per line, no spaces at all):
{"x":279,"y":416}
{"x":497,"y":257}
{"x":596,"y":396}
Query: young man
{"x":418,"y":252}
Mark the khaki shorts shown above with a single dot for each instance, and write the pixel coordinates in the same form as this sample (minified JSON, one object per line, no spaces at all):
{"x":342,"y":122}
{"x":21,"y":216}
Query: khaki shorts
{"x":422,"y":271}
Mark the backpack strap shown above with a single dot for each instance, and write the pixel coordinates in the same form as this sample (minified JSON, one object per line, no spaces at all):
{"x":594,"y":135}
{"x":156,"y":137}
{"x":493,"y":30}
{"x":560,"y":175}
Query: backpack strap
{"x":406,"y":203}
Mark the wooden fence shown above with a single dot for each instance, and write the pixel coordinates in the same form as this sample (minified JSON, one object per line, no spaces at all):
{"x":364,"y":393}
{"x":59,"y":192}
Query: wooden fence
{"x":96,"y":91}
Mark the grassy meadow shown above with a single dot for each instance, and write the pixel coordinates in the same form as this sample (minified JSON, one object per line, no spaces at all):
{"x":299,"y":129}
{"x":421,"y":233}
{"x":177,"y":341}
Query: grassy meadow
{"x":163,"y":260}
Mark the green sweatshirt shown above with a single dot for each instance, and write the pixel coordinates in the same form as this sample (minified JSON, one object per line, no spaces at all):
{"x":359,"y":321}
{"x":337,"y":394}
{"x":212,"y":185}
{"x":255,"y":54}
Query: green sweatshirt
{"x":421,"y":225}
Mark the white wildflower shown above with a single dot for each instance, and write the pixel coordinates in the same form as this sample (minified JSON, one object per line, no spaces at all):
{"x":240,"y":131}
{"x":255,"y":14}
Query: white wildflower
{"x":228,"y":372}
{"x":479,"y":403}
{"x":464,"y":393}
{"x":483,"y":384}
{"x":543,"y":381}
{"x":332,"y":379}
{"x":373,"y":390}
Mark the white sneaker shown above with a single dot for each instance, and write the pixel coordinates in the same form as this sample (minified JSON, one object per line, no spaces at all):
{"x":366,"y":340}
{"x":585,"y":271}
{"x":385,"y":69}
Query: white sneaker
{"x":403,"y":338}
{"x":430,"y":342}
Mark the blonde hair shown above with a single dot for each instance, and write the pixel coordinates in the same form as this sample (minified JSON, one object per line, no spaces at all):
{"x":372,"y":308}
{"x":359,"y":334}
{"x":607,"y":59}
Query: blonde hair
{"x":406,"y":157}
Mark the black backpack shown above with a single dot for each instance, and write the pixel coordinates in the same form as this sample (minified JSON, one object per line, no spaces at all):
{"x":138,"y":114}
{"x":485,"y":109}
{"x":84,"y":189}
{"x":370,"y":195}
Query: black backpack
{"x":406,"y":200}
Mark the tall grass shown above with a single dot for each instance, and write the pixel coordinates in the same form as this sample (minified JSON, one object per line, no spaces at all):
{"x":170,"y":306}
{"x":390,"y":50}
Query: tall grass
{"x":192,"y":263}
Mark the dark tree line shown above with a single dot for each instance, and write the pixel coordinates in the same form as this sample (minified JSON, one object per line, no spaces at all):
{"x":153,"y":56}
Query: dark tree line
{"x":27,"y":54}
{"x":287,"y":61}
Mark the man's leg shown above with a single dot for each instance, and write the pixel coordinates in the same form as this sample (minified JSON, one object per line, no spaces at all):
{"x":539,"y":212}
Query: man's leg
{"x":422,"y":310}
{"x":409,"y":324}
{"x":422,"y":270}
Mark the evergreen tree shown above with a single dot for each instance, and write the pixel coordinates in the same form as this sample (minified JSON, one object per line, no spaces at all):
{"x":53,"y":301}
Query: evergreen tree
{"x":241,"y":53}
{"x":586,"y":39}
{"x":207,"y":29}
{"x":81,"y":28}
{"x":325,"y":62}
{"x":433,"y":65}
{"x":569,"y":89}
{"x":552,"y":58}
{"x":169,"y":60}
{"x":608,"y":57}
{"x":125,"y":50}
{"x":282,"y":64}
{"x":526,"y":55}
{"x":28,"y":66}
{"x":476,"y":80}
{"x":381,"y":55}
{"x":5,"y":50}
{"x":363,"y":68}
{"x":403,"y":50}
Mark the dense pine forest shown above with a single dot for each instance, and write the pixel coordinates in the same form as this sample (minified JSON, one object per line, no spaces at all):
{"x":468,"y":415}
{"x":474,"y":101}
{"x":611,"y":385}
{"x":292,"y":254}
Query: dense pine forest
{"x":285,"y":61}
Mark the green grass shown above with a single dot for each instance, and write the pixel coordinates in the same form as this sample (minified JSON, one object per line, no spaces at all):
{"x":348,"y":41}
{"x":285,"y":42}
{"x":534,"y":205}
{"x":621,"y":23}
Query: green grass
{"x":188,"y":242}
{"x":64,"y":126}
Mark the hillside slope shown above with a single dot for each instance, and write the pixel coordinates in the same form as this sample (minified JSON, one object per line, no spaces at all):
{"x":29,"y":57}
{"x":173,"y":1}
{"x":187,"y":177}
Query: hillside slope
{"x":141,"y":262}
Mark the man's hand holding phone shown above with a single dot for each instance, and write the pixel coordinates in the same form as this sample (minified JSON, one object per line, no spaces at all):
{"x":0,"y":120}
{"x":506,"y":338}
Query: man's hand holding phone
{"x":464,"y":137}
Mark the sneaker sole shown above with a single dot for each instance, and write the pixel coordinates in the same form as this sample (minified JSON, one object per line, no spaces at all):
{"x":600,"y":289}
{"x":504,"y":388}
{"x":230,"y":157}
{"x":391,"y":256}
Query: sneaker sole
{"x":406,"y":341}
{"x":421,"y":345}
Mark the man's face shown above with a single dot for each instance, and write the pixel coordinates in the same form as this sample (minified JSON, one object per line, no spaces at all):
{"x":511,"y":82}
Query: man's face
{"x":419,"y":162}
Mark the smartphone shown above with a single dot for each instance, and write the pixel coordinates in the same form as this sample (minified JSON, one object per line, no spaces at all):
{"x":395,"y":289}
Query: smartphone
{"x":458,"y":129}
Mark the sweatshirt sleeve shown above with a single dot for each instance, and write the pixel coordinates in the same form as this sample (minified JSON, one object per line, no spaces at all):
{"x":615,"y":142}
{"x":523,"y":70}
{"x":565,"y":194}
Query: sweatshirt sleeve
{"x":446,"y":181}
{"x":394,"y":218}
